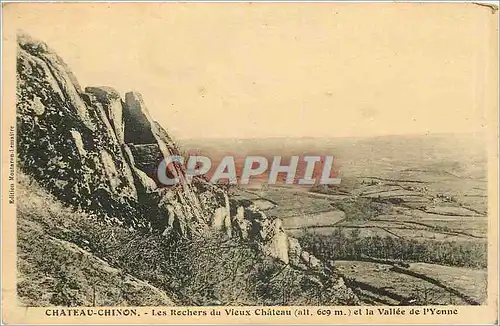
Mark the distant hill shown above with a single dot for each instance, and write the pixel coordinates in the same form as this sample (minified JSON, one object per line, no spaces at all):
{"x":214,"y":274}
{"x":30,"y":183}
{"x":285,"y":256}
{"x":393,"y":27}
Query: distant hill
{"x":461,"y":154}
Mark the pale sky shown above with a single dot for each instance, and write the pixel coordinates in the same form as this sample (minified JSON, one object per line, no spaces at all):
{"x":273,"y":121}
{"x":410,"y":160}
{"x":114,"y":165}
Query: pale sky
{"x":280,"y":70}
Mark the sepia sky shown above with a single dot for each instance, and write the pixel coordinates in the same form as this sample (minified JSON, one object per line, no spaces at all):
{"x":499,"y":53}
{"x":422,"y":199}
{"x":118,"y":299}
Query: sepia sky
{"x":280,"y":70}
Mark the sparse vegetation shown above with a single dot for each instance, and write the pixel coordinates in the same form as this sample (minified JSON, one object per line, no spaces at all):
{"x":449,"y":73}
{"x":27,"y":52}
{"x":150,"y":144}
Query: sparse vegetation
{"x":73,"y":252}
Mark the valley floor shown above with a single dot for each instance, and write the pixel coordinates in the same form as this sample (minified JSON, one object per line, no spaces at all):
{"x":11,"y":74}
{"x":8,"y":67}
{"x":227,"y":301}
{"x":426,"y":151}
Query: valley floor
{"x":412,"y":237}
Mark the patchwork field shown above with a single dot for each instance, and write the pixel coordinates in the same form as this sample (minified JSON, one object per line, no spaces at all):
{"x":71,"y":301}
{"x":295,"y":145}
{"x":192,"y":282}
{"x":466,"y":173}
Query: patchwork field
{"x":376,"y":211}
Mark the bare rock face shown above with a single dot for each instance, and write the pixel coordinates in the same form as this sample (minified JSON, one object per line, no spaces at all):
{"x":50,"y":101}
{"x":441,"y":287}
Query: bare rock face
{"x":37,"y":59}
{"x":64,"y":138}
{"x":147,"y":158}
{"x":144,"y":184}
{"x":276,"y":244}
{"x":112,"y":104}
{"x":138,"y":120}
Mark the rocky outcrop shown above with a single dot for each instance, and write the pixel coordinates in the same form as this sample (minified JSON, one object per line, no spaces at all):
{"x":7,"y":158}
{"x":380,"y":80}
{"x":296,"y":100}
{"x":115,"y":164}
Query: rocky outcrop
{"x":65,"y":138}
{"x":99,"y":152}
{"x":138,"y":121}
{"x":113,"y":106}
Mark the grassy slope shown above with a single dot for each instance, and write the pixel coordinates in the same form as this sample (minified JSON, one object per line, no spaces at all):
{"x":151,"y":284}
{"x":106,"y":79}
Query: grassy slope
{"x":473,"y":282}
{"x":470,"y":282}
{"x":54,"y":270}
{"x":66,"y":256}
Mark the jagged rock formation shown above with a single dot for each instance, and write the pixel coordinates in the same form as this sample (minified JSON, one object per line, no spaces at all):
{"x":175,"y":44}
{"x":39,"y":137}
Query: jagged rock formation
{"x":99,"y":152}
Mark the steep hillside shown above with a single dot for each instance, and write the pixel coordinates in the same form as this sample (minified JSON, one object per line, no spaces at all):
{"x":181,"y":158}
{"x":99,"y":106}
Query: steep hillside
{"x":56,"y":265}
{"x":96,"y":153}
{"x":72,"y":258}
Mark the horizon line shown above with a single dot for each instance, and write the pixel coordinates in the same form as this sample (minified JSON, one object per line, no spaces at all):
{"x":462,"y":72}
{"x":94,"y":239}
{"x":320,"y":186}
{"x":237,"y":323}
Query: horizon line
{"x":458,"y":133}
